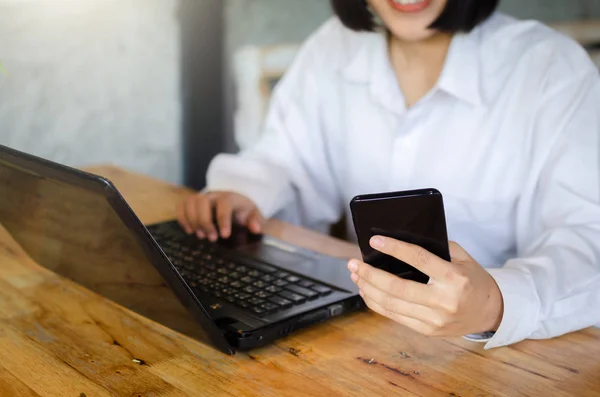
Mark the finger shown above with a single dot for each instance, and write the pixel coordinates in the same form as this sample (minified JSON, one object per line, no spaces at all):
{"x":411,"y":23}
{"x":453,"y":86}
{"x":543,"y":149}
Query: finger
{"x":191,"y":213}
{"x":223,"y":213}
{"x":414,"y":255}
{"x":205,"y":218}
{"x":251,"y":218}
{"x":415,"y":325}
{"x":181,"y":218}
{"x":255,"y":221}
{"x":407,"y":290}
{"x":394,"y":305}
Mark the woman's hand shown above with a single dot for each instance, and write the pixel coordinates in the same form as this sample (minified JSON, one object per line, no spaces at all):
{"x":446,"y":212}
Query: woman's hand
{"x":461,"y":297}
{"x":195,"y":214}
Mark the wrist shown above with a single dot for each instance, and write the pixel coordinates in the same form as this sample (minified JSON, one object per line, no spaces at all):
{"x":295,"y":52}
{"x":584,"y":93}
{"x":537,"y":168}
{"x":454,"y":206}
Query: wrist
{"x":494,"y":308}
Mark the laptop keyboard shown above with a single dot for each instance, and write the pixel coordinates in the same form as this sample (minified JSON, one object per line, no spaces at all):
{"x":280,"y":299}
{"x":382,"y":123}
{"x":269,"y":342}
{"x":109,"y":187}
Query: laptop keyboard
{"x":260,"y":288}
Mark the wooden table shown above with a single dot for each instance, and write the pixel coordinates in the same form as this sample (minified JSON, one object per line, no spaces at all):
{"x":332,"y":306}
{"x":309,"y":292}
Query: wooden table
{"x":59,"y":339}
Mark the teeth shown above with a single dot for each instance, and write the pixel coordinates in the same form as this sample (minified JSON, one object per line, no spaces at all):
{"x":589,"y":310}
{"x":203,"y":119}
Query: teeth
{"x":407,"y":2}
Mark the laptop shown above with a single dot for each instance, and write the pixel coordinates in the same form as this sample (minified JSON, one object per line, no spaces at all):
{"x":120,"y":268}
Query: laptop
{"x":236,"y":294}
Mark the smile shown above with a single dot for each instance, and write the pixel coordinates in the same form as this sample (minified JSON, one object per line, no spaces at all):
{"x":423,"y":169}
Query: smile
{"x":410,"y":5}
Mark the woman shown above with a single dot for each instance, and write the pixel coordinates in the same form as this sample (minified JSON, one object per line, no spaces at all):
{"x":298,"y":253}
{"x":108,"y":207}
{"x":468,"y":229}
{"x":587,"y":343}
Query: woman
{"x":500,"y":115}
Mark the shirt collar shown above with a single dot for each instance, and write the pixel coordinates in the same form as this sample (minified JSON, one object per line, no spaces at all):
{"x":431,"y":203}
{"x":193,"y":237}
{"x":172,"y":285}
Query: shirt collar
{"x":460,"y":76}
{"x":370,"y":64}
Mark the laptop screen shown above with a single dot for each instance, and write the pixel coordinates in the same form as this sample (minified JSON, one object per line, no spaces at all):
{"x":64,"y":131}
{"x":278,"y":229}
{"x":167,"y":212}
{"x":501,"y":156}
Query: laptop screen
{"x":73,"y":231}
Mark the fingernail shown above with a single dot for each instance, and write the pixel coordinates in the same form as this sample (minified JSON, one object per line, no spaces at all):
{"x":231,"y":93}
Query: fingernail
{"x":213,"y":237}
{"x":225,"y":232}
{"x":199,"y":234}
{"x":362,"y":294}
{"x":377,"y":242}
{"x":353,"y":266}
{"x":354,"y":277}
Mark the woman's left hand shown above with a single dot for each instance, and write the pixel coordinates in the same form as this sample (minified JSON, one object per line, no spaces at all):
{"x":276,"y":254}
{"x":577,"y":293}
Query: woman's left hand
{"x":461,"y":297}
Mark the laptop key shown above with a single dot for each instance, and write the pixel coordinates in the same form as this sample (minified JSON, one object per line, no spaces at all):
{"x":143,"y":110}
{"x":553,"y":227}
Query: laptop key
{"x":242,"y":295}
{"x":254,"y":273}
{"x":267,"y":278}
{"x":268,"y":306}
{"x":237,"y":284}
{"x":250,"y":290}
{"x":292,"y":279}
{"x":197,"y":277}
{"x":280,"y":274}
{"x":321,"y":289}
{"x":278,"y":300}
{"x":235,"y":275}
{"x":259,"y":284}
{"x":263,"y":294}
{"x":241,"y":269}
{"x":247,"y":279}
{"x":257,"y":310}
{"x":302,"y":291}
{"x":296,"y":298}
{"x":306,"y":283}
{"x":263,"y":268}
{"x":272,"y":289}
{"x":280,"y":283}
{"x":243,"y":304}
{"x":255,"y":301}
{"x":228,"y":291}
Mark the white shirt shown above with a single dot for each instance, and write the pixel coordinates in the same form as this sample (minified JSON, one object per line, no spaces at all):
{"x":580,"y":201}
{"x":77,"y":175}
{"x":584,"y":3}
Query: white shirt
{"x":509,"y":135}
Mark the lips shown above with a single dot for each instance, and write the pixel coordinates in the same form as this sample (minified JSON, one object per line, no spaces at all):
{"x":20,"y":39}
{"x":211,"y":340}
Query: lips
{"x":410,"y":5}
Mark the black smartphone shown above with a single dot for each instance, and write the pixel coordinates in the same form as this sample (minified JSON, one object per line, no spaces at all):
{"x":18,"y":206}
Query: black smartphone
{"x":415,"y":216}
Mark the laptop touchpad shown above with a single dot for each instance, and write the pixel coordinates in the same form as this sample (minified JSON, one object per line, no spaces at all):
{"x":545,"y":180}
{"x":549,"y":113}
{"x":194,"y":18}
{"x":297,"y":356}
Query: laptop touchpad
{"x":276,"y":253}
{"x":307,"y":263}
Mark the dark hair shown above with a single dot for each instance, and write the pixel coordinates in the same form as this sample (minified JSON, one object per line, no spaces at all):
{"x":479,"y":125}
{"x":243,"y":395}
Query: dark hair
{"x":458,"y":16}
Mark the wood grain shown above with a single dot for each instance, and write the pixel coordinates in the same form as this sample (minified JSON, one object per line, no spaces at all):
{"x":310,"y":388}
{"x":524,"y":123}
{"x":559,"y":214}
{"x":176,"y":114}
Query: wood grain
{"x":60,"y":339}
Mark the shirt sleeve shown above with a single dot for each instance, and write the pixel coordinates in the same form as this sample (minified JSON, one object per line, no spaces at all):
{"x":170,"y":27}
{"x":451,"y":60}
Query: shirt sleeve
{"x":289,"y":168}
{"x":553,"y":286}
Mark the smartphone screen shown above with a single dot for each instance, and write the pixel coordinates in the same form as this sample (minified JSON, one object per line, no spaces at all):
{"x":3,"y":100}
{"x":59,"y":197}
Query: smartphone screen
{"x":416,"y":217}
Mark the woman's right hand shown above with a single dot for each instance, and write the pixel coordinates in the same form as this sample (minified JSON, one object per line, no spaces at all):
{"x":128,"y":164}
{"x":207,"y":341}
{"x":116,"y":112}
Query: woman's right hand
{"x":195,"y":214}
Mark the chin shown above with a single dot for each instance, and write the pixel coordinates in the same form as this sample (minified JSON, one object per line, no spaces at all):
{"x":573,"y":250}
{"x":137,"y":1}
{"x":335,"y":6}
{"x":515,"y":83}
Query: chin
{"x":412,"y":35}
{"x":409,"y":26}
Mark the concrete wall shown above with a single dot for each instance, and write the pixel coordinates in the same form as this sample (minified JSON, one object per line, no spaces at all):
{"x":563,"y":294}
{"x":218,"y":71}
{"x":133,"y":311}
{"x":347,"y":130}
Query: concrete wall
{"x":94,"y":81}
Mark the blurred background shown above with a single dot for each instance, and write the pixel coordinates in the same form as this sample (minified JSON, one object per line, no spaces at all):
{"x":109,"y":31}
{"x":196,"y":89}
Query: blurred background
{"x":161,"y":86}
